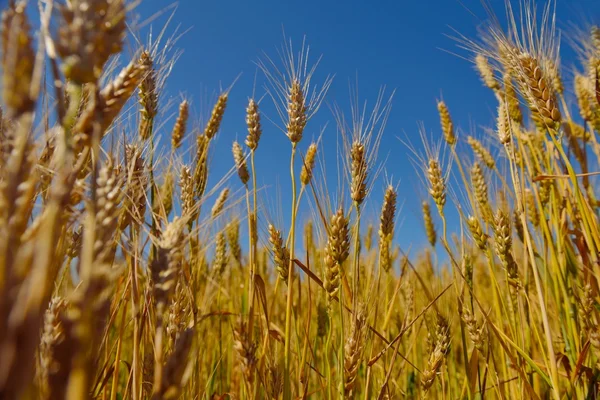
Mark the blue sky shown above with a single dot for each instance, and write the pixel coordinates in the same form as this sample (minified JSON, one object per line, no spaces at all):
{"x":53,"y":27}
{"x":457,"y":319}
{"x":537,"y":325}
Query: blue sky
{"x":400,"y":44}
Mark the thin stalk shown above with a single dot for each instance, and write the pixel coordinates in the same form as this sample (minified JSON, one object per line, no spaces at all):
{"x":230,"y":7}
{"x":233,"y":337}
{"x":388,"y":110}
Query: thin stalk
{"x":288,"y":311}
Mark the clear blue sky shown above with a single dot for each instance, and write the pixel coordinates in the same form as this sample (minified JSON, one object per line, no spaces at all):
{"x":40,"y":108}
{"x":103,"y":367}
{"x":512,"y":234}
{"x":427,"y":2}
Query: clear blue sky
{"x":400,"y":44}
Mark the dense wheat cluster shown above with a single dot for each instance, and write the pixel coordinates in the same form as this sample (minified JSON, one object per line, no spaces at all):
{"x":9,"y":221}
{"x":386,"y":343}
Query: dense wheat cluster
{"x":129,"y":271}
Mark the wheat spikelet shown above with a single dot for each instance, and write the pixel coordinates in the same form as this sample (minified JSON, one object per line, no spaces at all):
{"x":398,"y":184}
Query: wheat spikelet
{"x":486,"y":73}
{"x":473,"y":329}
{"x":245,"y":348}
{"x":52,"y":335}
{"x":253,"y":123}
{"x":481,"y":191}
{"x":165,"y":268}
{"x":481,"y":152}
{"x":503,"y":237}
{"x":309,"y":239}
{"x":240,"y":162}
{"x":18,"y":60}
{"x":136,"y":182}
{"x":386,"y":227}
{"x":187,"y":193}
{"x":108,"y":198}
{"x":503,"y":124}
{"x":440,"y":347}
{"x":106,"y":105}
{"x":233,"y":238}
{"x":538,"y":90}
{"x":358,"y":188}
{"x":477,"y":232}
{"x":353,"y":354}
{"x":220,"y":203}
{"x":180,"y":126}
{"x":165,"y":195}
{"x":90,"y":33}
{"x":177,"y":311}
{"x":429,"y":226}
{"x":213,"y":124}
{"x":296,"y":109}
{"x":309,"y":163}
{"x":587,"y":108}
{"x":221,"y":260}
{"x":532,"y":211}
{"x":446,"y":122}
{"x":437,"y":184}
{"x":281,"y":254}
{"x":512,"y":100}
{"x":336,"y":252}
{"x":201,"y":168}
{"x":148,"y":96}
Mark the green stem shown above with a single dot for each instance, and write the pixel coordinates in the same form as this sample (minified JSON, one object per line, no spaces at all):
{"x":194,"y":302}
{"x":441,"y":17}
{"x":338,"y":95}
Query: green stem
{"x":288,"y":311}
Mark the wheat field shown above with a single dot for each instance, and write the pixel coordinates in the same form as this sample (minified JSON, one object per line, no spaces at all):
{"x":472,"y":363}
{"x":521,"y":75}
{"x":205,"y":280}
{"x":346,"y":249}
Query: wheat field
{"x":126,"y":273}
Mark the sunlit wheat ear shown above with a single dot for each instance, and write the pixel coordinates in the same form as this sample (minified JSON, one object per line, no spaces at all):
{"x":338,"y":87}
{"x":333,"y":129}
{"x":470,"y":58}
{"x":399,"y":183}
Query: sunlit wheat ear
{"x":51,"y":338}
{"x":253,"y":123}
{"x":440,"y":345}
{"x":386,"y":227}
{"x":221,"y":259}
{"x":216,"y":116}
{"x":353,"y":352}
{"x":336,"y":252}
{"x":245,"y":347}
{"x":89,"y":33}
{"x":479,"y":237}
{"x":309,"y":235}
{"x":296,"y":112}
{"x":554,"y":76}
{"x":503,"y":237}
{"x":429,"y":226}
{"x":480,"y":189}
{"x":17,"y":188}
{"x":220,"y":203}
{"x":537,"y":89}
{"x":361,"y":137}
{"x":106,"y":105}
{"x":18,"y":60}
{"x":437,"y":184}
{"x":108,"y":198}
{"x":135,"y":187}
{"x":148,"y":94}
{"x":240,"y":162}
{"x":594,"y":75}
{"x":446,"y":123}
{"x":503,"y":124}
{"x":486,"y":72}
{"x":482,"y":152}
{"x":165,"y":268}
{"x":309,"y":163}
{"x":586,"y":308}
{"x":281,"y":255}
{"x":474,"y":329}
{"x":233,"y":238}
{"x":165,"y":195}
{"x":201,"y":167}
{"x":531,"y":206}
{"x":358,"y":185}
{"x":291,"y":88}
{"x":180,"y":126}
{"x":186,"y":185}
{"x":512,"y":100}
